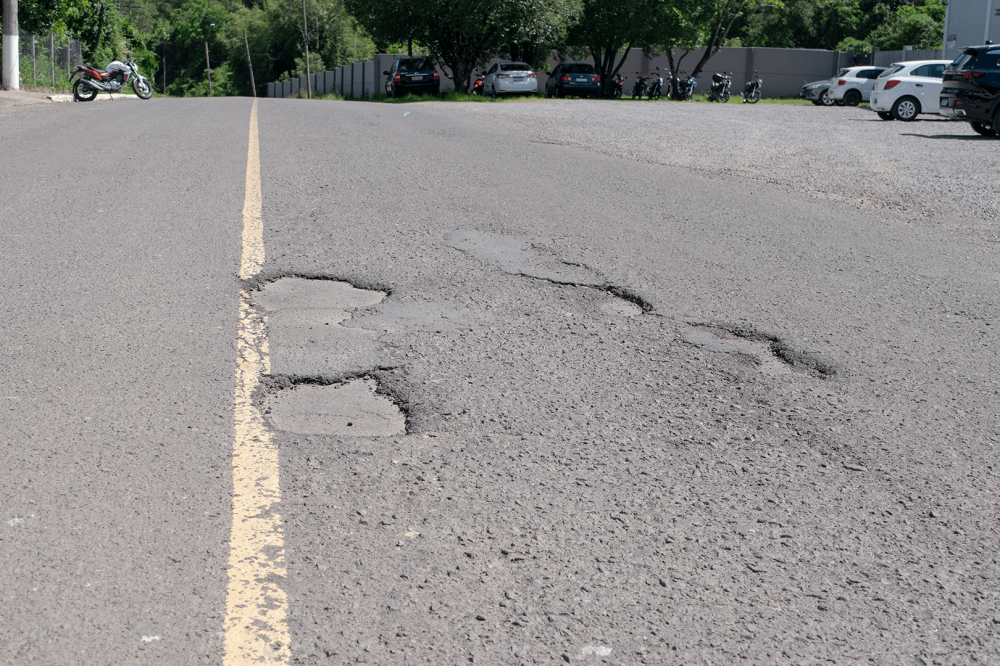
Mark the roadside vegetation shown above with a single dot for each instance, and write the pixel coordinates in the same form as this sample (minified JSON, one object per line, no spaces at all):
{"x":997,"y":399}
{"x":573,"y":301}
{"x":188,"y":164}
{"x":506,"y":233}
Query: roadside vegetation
{"x":177,"y":41}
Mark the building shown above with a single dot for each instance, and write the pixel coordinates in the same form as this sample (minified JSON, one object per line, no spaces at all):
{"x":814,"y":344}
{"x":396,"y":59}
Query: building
{"x":970,"y":23}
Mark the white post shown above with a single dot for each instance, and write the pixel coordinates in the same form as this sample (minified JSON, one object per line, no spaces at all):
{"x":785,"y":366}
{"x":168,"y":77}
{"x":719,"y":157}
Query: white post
{"x":10,"y":79}
{"x":989,"y":19}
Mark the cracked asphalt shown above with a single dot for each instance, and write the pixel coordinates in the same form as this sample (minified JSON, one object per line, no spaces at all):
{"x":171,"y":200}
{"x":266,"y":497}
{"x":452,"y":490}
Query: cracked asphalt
{"x":661,"y":407}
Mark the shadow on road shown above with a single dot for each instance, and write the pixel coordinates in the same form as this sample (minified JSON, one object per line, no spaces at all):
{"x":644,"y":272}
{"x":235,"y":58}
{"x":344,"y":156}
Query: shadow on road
{"x":956,"y":137}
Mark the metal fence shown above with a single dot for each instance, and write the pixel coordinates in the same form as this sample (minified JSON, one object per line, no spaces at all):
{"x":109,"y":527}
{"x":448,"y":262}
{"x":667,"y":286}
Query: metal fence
{"x":46,"y":61}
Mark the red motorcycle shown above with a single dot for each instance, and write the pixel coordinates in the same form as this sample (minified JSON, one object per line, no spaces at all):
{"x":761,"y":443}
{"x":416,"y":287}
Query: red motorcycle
{"x":477,"y":87}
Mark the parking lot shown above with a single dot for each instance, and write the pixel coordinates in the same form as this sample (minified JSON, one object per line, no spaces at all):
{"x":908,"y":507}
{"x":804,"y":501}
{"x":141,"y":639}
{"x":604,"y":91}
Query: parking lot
{"x":931,"y":167}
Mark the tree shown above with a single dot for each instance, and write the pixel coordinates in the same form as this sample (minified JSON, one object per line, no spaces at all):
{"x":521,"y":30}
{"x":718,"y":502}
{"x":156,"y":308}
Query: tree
{"x":609,"y":31}
{"x":531,"y":29}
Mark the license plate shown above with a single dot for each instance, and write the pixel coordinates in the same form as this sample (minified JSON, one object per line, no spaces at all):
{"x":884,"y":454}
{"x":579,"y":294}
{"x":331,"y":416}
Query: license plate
{"x":581,"y":80}
{"x":518,"y":79}
{"x":944,"y":101}
{"x":417,"y":78}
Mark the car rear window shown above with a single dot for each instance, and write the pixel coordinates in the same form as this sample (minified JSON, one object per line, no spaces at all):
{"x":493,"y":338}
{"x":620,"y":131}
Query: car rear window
{"x":844,"y":72}
{"x":582,"y":68}
{"x":515,"y":67}
{"x":982,"y":61}
{"x":889,"y":72}
{"x":416,"y":65}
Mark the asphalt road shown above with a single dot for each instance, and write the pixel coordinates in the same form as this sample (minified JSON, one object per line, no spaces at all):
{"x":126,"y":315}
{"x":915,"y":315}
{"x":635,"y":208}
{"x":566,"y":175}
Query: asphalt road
{"x":655,"y":412}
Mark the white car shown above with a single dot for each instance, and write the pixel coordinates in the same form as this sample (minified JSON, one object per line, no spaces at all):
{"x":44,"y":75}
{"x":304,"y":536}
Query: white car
{"x":510,"y":77}
{"x":908,"y":89}
{"x":853,"y":85}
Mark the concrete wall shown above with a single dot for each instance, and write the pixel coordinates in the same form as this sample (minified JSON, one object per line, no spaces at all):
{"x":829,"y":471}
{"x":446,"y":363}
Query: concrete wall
{"x":886,"y":58}
{"x":970,"y":23}
{"x":357,"y":79}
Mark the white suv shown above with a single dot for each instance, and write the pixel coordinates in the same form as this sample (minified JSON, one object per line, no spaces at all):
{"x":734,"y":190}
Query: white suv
{"x":853,"y":85}
{"x":908,"y":89}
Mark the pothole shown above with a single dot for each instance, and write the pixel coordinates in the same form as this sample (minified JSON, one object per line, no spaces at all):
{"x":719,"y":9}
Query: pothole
{"x":770,"y":355}
{"x":522,"y":255}
{"x":352,"y":408}
{"x":305,"y":332}
{"x":310,"y":351}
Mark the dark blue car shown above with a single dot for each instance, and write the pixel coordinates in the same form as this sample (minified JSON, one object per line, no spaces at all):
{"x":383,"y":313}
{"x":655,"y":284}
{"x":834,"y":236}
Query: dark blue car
{"x":573,"y":78}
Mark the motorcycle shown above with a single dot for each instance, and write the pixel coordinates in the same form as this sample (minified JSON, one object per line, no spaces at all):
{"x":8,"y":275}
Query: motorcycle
{"x":477,"y":87}
{"x":617,"y":86}
{"x":751,"y":94}
{"x":111,"y":79}
{"x":686,"y":87}
{"x":655,"y":87}
{"x":639,"y":87}
{"x":720,"y":88}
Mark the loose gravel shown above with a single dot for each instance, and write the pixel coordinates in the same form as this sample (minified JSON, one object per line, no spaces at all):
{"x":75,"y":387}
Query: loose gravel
{"x":931,"y":167}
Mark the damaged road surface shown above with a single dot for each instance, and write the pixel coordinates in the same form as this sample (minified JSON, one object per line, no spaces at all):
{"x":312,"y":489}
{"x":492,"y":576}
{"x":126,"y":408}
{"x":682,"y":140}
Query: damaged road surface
{"x":598,"y":428}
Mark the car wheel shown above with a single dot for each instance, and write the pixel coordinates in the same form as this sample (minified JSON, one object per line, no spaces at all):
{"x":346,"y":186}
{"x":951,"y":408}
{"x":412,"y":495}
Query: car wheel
{"x":984,"y":129}
{"x":825,"y":98}
{"x":885,"y":115}
{"x":906,"y":109}
{"x":852,"y":98}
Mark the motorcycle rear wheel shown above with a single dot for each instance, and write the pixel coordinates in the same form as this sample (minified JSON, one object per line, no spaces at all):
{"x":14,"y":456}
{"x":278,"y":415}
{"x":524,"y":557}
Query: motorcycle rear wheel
{"x":142,"y":88}
{"x":82,"y":92}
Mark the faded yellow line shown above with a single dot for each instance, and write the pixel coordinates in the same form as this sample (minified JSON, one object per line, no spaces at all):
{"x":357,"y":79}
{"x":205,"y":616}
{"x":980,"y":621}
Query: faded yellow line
{"x":256,"y":624}
{"x":253,"y":227}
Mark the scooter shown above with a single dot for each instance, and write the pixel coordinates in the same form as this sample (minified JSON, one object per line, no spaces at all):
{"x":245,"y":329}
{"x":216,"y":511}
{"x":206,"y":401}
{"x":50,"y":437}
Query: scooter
{"x":477,"y":87}
{"x":751,"y":94}
{"x":111,"y":79}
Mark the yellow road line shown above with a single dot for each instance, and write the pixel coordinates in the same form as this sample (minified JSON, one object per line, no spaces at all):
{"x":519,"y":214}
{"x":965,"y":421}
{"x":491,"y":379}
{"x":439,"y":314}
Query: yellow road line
{"x":256,"y":624}
{"x":253,"y":227}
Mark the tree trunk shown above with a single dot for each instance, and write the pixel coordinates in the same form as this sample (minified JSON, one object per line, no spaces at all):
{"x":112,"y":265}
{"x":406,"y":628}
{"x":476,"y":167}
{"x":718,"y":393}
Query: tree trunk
{"x":604,"y":61}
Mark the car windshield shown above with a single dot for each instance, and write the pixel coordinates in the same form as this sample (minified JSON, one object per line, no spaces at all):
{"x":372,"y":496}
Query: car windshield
{"x":416,"y":65}
{"x":582,"y":68}
{"x":889,"y":72}
{"x":515,"y":67}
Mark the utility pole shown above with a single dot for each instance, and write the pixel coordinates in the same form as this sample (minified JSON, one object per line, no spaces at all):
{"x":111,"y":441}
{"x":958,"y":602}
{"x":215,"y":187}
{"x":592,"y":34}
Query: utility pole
{"x":52,"y":59}
{"x":253,"y":85}
{"x":33,"y":60}
{"x":10,"y":77}
{"x":305,"y":40}
{"x":208,"y":64}
{"x":163,"y":58}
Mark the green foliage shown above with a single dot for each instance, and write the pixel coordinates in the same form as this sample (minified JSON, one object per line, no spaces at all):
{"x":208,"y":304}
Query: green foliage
{"x":846,"y":25}
{"x":315,"y":65}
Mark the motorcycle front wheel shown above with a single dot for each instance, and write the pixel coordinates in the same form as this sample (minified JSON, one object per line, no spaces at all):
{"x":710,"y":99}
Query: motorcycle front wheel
{"x":83,"y":92}
{"x":753,"y":97}
{"x":724,"y":97}
{"x":142,"y":88}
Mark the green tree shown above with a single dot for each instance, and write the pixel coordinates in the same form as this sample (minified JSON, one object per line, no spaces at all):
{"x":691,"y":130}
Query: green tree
{"x":909,"y":26}
{"x":609,"y":31}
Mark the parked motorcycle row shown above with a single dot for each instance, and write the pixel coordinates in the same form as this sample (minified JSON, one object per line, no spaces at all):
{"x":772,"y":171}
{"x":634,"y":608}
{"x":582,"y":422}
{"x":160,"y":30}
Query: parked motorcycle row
{"x":113,"y":78}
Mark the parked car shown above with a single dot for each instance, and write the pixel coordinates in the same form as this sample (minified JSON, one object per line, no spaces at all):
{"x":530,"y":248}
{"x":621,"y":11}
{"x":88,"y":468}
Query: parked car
{"x":908,"y":89}
{"x":817,"y":92}
{"x":573,"y":78}
{"x":853,"y":85}
{"x":971,"y":89}
{"x":505,"y":78}
{"x":412,"y":75}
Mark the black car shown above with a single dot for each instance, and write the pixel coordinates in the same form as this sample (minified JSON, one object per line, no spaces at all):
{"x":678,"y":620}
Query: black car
{"x":573,"y":78}
{"x":971,"y":88}
{"x":412,"y":75}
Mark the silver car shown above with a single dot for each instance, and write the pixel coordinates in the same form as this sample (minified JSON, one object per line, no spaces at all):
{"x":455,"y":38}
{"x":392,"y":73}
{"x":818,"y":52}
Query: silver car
{"x":817,"y":92}
{"x":506,"y":78}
